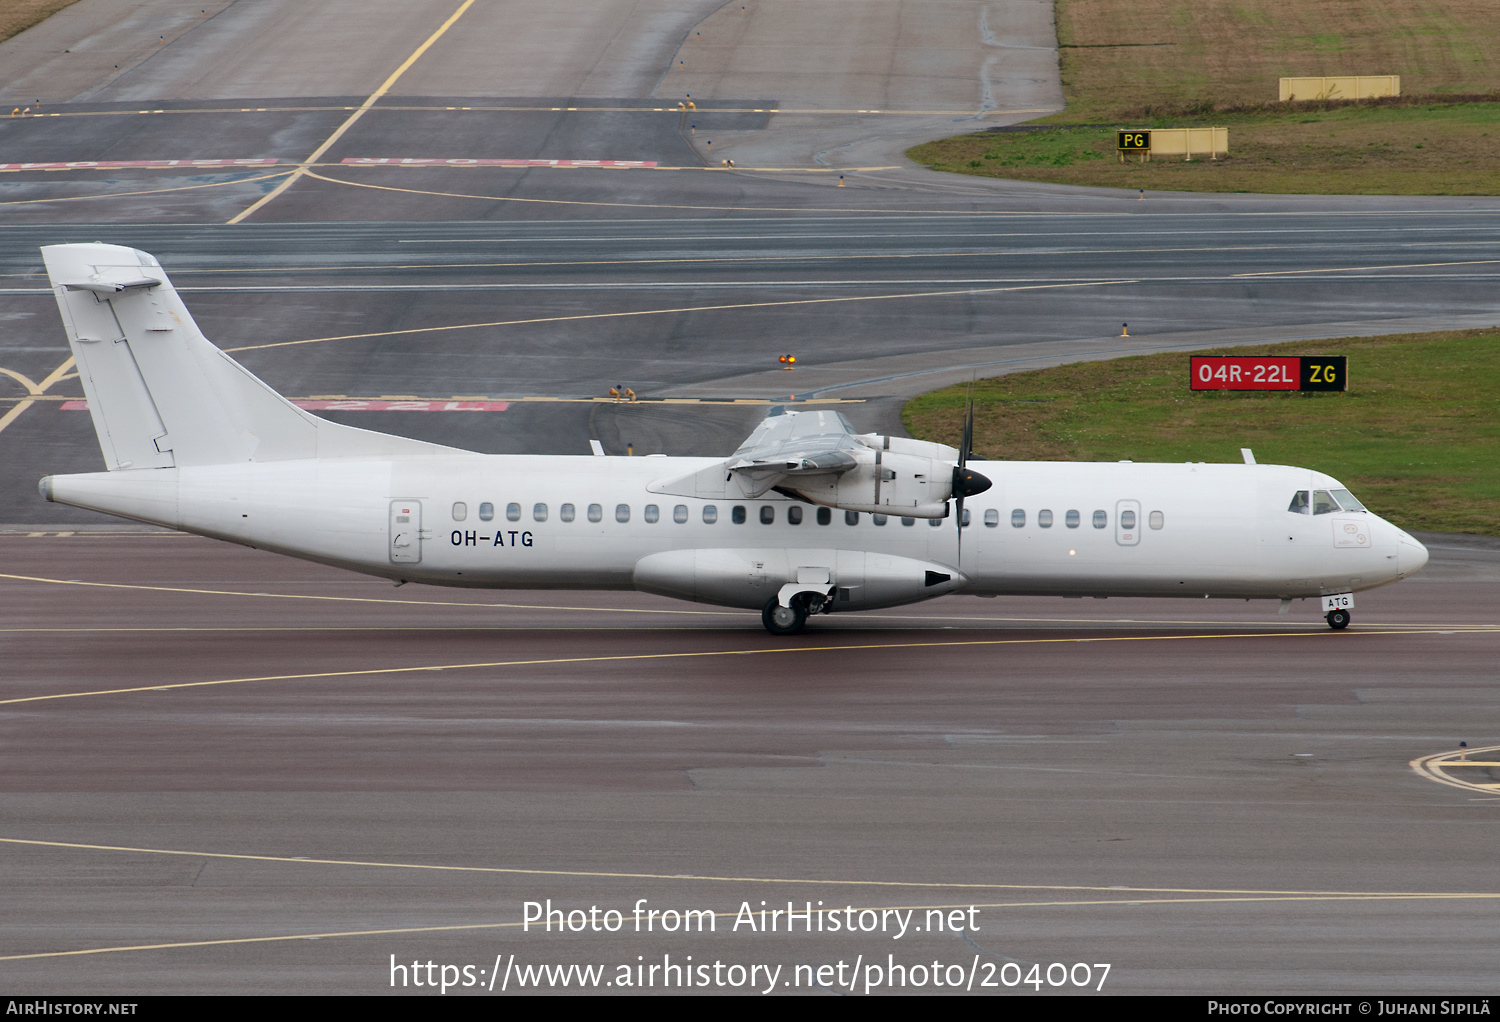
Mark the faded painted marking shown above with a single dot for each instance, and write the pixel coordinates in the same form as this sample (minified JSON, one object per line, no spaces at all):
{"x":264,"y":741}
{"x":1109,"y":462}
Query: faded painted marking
{"x":389,"y":161}
{"x":112,"y":164}
{"x":358,"y":405}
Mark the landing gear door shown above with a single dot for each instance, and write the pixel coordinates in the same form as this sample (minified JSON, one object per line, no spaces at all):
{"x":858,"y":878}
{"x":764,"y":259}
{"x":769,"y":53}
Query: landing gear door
{"x":1128,"y":522}
{"x":406,"y":532}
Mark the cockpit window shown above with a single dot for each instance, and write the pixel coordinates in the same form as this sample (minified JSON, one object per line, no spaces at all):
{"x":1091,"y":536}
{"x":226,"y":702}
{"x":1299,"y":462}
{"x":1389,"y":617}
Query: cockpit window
{"x":1323,"y":503}
{"x":1346,"y":500}
{"x":1300,"y":504}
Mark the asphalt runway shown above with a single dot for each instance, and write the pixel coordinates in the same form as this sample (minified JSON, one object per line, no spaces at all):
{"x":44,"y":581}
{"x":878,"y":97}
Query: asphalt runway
{"x":876,"y":307}
{"x":1205,"y":796}
{"x":228,"y":772}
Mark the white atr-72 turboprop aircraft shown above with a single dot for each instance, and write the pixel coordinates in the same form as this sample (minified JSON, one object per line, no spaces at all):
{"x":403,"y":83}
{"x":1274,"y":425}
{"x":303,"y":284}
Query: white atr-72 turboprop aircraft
{"x":806,"y":517}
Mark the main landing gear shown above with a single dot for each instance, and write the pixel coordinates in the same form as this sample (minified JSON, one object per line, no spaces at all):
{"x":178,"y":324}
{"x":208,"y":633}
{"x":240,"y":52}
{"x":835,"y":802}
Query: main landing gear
{"x":781,"y":620}
{"x":1337,"y":619}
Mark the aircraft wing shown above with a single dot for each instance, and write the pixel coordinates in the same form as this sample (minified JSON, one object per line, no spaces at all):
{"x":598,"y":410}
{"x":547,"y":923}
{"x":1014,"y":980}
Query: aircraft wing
{"x":817,"y":456}
{"x":797,"y":444}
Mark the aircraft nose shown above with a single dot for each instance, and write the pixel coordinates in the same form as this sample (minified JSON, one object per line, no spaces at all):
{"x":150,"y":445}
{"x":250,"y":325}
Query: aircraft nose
{"x":1410,"y":554}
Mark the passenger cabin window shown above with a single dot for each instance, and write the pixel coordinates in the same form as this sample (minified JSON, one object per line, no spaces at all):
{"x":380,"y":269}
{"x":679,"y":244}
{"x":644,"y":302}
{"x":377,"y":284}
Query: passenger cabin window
{"x":460,"y":511}
{"x":1127,"y":521}
{"x":967,"y":516}
{"x":1044,"y":519}
{"x":767,"y":514}
{"x":653,"y":514}
{"x":851,"y":517}
{"x":824,"y":516}
{"x":566,"y":512}
{"x":622,"y":513}
{"x":937,"y":523}
{"x":908,"y":521}
{"x":1323,"y":503}
{"x":1017,"y":519}
{"x":878,"y":519}
{"x":1071,"y":519}
{"x":486,"y":511}
{"x":794,"y":515}
{"x":680,"y":514}
{"x":1300,"y":504}
{"x":513,"y":512}
{"x":539,"y":512}
{"x":1157,"y":520}
{"x":1346,"y":500}
{"x":737,"y":514}
{"x":991,"y":518}
{"x":1101,"y":520}
{"x":596,"y":513}
{"x":710,"y":514}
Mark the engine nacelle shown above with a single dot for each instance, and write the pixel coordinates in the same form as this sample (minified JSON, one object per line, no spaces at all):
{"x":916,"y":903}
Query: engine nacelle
{"x":737,"y":577}
{"x":883,"y":482}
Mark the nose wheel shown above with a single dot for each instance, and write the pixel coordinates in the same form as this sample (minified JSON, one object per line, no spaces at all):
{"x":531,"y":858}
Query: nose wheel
{"x":781,"y":620}
{"x":1337,"y":619}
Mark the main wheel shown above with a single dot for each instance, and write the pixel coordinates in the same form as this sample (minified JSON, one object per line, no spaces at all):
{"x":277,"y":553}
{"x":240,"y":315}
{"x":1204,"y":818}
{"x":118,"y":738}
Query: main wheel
{"x":781,"y":620}
{"x":1338,"y":619}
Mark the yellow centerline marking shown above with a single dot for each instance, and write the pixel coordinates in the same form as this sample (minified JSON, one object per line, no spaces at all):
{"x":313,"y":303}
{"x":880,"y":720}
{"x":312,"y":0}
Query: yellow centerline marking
{"x":531,"y":398}
{"x":1352,"y":269}
{"x":786,"y":303}
{"x":355,"y":116}
{"x":763,"y":914}
{"x":1431,"y":767}
{"x":1391,"y":627}
{"x":694,"y":655}
{"x":148,"y":191}
{"x":654,"y":206}
{"x":795,"y":257}
{"x":354,"y":599}
{"x":397,"y":108}
{"x":1121,"y":892}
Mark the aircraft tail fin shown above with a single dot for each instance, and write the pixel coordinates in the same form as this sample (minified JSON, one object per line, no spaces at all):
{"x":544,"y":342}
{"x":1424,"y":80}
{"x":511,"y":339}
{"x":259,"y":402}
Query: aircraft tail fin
{"x":161,"y":395}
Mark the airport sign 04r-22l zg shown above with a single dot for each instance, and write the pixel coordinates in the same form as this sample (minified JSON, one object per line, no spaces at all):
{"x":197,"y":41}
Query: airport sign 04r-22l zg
{"x":1269,"y":372}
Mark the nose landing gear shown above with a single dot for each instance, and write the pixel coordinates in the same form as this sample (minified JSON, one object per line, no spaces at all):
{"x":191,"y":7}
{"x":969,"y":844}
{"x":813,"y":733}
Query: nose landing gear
{"x":1338,"y":619}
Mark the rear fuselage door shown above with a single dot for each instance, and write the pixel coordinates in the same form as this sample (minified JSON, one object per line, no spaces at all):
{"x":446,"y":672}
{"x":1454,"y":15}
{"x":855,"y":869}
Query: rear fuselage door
{"x":406,"y":532}
{"x":1128,"y":522}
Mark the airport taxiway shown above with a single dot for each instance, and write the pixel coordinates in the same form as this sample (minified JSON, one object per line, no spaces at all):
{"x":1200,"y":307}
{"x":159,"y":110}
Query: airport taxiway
{"x":228,"y":772}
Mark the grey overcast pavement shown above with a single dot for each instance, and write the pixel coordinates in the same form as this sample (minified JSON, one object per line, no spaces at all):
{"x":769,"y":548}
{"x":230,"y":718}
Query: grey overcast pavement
{"x":1046,"y":760}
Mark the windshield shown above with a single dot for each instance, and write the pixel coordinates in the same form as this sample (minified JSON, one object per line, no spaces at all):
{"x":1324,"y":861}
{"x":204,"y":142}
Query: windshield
{"x":1346,"y":500}
{"x":1323,"y":503}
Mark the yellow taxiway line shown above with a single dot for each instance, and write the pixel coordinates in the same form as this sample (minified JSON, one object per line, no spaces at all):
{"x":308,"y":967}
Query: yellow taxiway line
{"x":1435,"y":767}
{"x":363,"y":108}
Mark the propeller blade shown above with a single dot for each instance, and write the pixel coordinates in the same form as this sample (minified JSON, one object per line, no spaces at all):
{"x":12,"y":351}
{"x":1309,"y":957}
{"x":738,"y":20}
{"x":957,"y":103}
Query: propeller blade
{"x":964,"y":481}
{"x":967,"y":445}
{"x":960,"y":503}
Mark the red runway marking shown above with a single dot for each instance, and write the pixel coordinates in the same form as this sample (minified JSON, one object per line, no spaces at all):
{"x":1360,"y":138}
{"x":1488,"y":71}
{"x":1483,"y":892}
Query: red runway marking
{"x":357,"y":405}
{"x":383,"y":161}
{"x":111,"y":164}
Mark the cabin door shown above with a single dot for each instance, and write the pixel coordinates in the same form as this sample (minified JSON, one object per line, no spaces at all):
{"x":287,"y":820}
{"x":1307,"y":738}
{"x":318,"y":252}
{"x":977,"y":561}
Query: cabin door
{"x":406,"y":532}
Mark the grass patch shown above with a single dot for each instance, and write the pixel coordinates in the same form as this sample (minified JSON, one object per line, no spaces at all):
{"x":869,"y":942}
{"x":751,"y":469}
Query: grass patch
{"x":1416,"y":436}
{"x":1174,"y":63}
{"x":1118,"y":55}
{"x":16,"y":16}
{"x":1440,"y":148}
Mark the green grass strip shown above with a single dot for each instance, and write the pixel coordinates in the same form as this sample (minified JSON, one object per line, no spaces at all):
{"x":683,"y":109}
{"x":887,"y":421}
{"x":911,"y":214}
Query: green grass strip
{"x":1416,"y":436}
